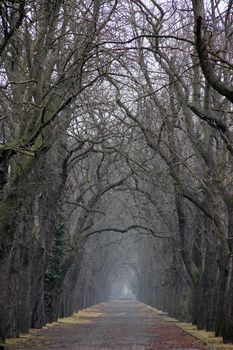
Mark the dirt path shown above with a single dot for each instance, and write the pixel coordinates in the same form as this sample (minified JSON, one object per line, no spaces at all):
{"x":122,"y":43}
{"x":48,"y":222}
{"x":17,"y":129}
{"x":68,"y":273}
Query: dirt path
{"x":114,"y":325}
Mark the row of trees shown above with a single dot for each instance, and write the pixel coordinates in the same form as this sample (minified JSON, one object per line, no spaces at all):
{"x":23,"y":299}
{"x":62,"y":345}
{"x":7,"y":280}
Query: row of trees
{"x":116,"y":158}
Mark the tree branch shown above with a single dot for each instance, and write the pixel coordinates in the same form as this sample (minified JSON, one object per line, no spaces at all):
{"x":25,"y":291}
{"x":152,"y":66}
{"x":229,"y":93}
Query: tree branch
{"x":126,"y":229}
{"x":202,"y":44}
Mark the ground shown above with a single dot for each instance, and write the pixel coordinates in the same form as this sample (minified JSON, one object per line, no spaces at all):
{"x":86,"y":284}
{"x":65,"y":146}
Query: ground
{"x":117,"y":325}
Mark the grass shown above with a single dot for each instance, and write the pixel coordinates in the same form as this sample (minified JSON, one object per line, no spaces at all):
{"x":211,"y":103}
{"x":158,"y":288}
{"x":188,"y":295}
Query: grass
{"x":39,"y":338}
{"x":209,"y":338}
{"x":215,"y":343}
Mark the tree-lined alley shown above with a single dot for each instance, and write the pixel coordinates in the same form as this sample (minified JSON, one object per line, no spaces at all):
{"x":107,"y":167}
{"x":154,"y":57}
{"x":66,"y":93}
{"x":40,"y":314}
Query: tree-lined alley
{"x":116,"y":159}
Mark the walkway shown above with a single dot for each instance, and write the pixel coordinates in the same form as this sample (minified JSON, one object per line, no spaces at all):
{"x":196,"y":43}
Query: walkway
{"x":114,"y":325}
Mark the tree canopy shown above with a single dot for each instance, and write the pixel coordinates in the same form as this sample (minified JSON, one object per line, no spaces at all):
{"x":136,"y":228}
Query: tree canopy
{"x":116,"y":147}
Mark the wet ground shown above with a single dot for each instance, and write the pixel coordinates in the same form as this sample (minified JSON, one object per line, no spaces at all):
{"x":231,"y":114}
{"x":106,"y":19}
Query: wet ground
{"x":115,"y":325}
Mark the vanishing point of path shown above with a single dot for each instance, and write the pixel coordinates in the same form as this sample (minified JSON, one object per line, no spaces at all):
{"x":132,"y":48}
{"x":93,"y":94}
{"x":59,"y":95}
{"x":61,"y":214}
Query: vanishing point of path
{"x":113,"y":325}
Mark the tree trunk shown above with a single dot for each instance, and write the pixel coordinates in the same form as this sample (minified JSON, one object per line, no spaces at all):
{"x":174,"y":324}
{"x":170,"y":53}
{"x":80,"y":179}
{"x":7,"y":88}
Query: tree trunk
{"x":228,"y":304}
{"x":228,"y":295}
{"x":206,"y":316}
{"x":26,"y":242}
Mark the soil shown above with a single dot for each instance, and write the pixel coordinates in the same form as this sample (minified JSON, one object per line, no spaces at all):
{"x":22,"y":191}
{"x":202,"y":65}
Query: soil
{"x":117,"y":325}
